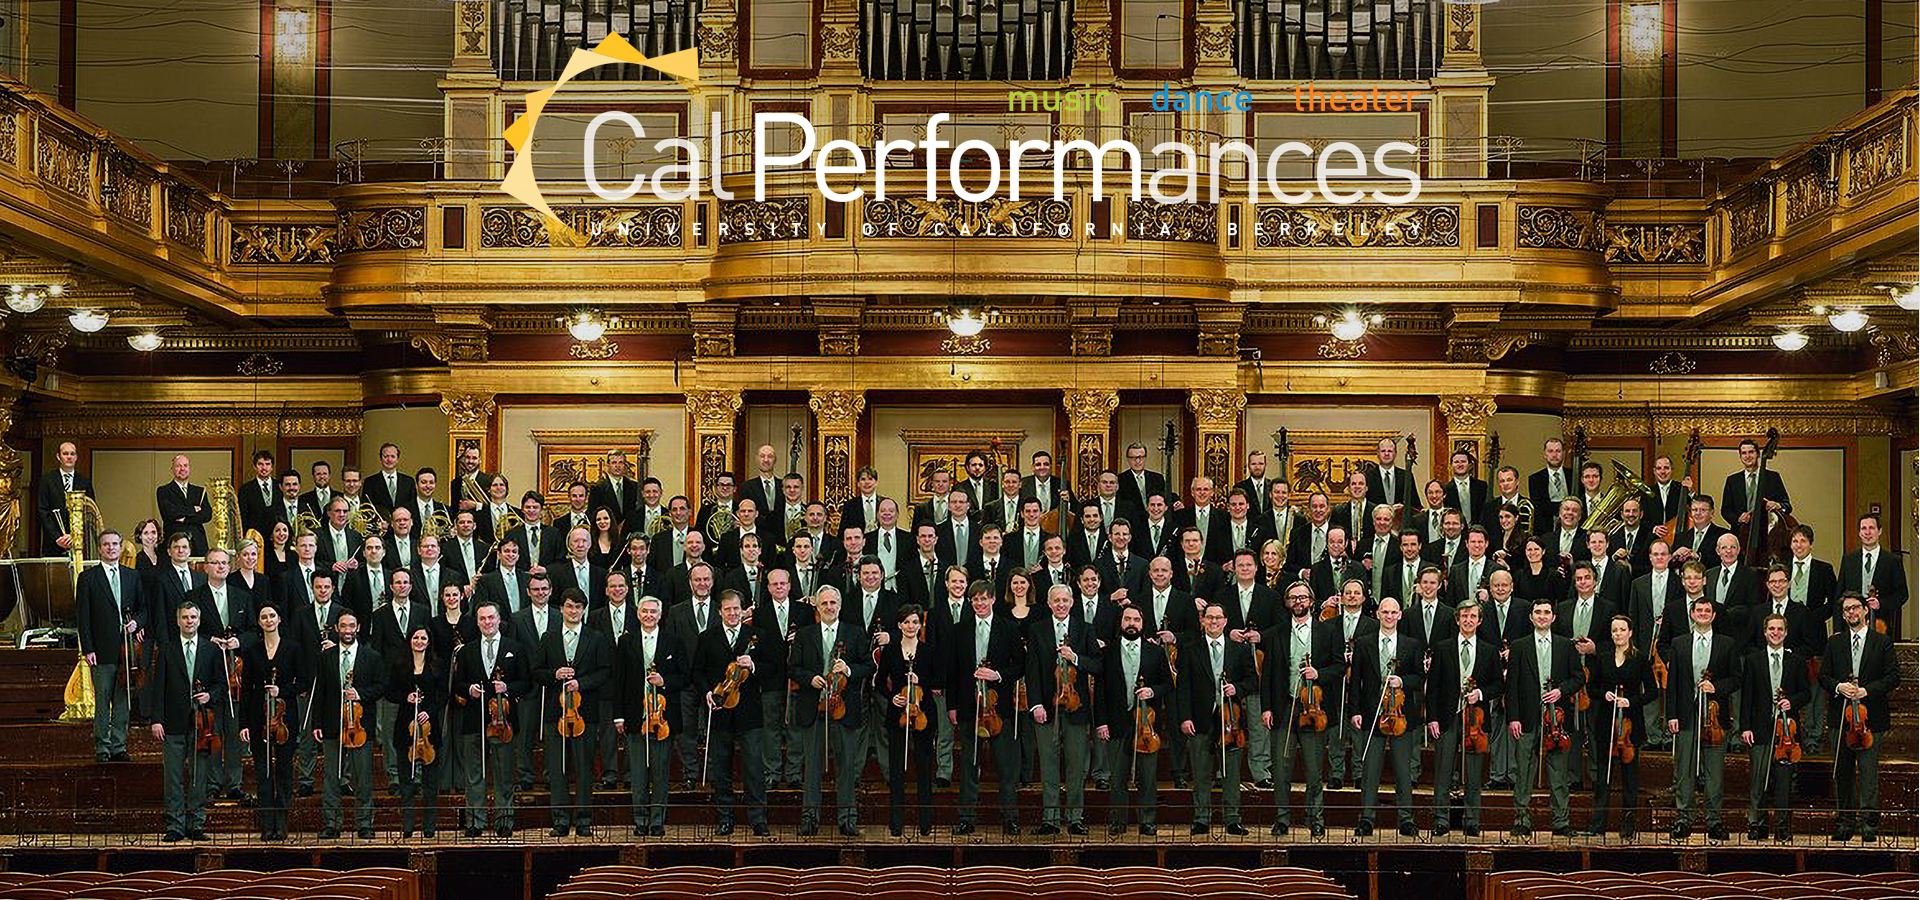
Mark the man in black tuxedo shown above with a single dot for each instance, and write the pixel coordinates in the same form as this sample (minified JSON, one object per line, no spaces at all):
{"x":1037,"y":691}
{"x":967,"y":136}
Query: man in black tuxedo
{"x":736,"y":729}
{"x":1208,"y":518}
{"x":183,"y":506}
{"x":1566,"y":543}
{"x":578,"y":660}
{"x":1877,"y":574}
{"x":315,"y":501}
{"x":1464,"y":492}
{"x":1752,"y":487}
{"x":402,"y":610}
{"x":1551,"y":484}
{"x":1300,"y":650}
{"x":933,"y":510}
{"x":1735,"y":588}
{"x":993,"y":565}
{"x":1214,"y":673}
{"x":765,"y":486}
{"x":958,"y":538}
{"x":1058,"y":641}
{"x":669,"y":546}
{"x":1466,"y":671}
{"x":366,"y":586}
{"x":1354,"y":515}
{"x":1859,"y":666}
{"x":1610,"y":576}
{"x":111,"y":614}
{"x":1133,"y":670}
{"x":1123,"y":573}
{"x":1107,"y":500}
{"x":1425,"y":615}
{"x":1085,"y":539}
{"x":286,"y":507}
{"x":541,"y":544}
{"x":1543,"y":671}
{"x":1137,"y":483}
{"x":1468,"y":577}
{"x":51,"y":498}
{"x":1396,"y":576}
{"x":389,"y":488}
{"x":1192,"y":571}
{"x":1698,"y":535}
{"x":1585,"y":618}
{"x":1801,"y":635}
{"x":1666,"y":498}
{"x":1154,"y":533}
{"x":723,"y":497}
{"x":1705,"y":665}
{"x":1050,"y":491}
{"x":579,"y":572}
{"x":338,"y":544}
{"x":1255,"y":484}
{"x":1372,"y":677}
{"x":1630,"y":541}
{"x":863,"y":508}
{"x":983,"y":655}
{"x":822,"y":649}
{"x":1388,"y":482}
{"x":176,"y":580}
{"x":187,"y":676}
{"x":1334,"y":569}
{"x":256,"y":496}
{"x":1656,"y":604}
{"x":616,"y":491}
{"x":349,"y":671}
{"x":505,"y":586}
{"x":890,"y":543}
{"x":1775,"y":687}
{"x":979,"y":482}
{"x":494,"y":667}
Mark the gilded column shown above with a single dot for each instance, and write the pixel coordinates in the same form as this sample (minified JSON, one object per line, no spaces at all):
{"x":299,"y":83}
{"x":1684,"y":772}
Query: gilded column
{"x":15,"y":500}
{"x":836,"y":423}
{"x":1466,"y":417}
{"x":467,"y":418}
{"x":1089,"y":420}
{"x":713,"y":413}
{"x":1216,"y":414}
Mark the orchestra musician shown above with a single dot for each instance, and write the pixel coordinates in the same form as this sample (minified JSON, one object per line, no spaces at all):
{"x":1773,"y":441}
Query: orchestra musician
{"x":902,"y":663}
{"x":648,"y":660}
{"x":735,"y":730}
{"x":1705,"y":668}
{"x":1215,"y":674}
{"x":1388,"y":663}
{"x":494,"y":668}
{"x":572,"y":663}
{"x":1620,"y":682}
{"x":50,"y":498}
{"x":820,"y":651}
{"x":1877,"y":574}
{"x":1132,"y":690}
{"x":1465,"y":676}
{"x":1859,"y":666}
{"x":188,"y":677}
{"x":1301,"y":652}
{"x":1776,"y":689}
{"x":1543,"y":672}
{"x":273,"y":671}
{"x":983,"y":662}
{"x":1750,"y":488}
{"x":112,"y":616}
{"x":347,"y":673}
{"x":417,"y":692}
{"x":1061,"y":732}
{"x":183,"y":506}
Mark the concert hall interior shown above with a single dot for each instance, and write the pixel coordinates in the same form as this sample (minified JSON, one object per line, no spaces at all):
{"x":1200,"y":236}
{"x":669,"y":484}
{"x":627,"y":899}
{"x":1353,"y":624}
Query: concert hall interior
{"x":805,"y":474}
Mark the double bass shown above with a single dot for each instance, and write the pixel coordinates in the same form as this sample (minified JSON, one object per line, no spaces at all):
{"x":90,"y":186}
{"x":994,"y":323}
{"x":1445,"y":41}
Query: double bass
{"x":1768,"y":533}
{"x":1691,"y":458}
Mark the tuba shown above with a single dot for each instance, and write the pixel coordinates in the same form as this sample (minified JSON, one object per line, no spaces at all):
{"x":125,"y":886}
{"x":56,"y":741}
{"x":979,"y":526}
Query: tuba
{"x":1605,"y":515}
{"x":223,"y":530}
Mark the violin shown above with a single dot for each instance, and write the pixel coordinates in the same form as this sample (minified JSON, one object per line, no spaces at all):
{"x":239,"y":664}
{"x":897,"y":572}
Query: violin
{"x":571,"y":724}
{"x":1786,"y":734}
{"x":913,"y":716}
{"x":1659,"y":662}
{"x":1623,"y":748}
{"x":499,"y":711}
{"x":1233,"y":722}
{"x":276,"y":716}
{"x":989,"y":722}
{"x":1711,"y":731}
{"x":1393,"y":707}
{"x":1329,"y":613}
{"x":233,"y":675}
{"x":353,"y":735}
{"x":1473,"y":723}
{"x":655,"y":702}
{"x":1309,"y":714}
{"x":1873,"y":601}
{"x":1553,"y":719}
{"x":421,"y":751}
{"x":1145,"y":738}
{"x":1853,"y":723}
{"x":206,"y":738}
{"x":833,"y":701}
{"x":1067,"y":697}
{"x":727,"y":692}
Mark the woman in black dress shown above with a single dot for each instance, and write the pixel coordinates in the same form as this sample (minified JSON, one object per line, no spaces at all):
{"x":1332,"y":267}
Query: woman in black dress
{"x":607,"y":547}
{"x":249,"y":579}
{"x":904,"y":662}
{"x":279,"y":555}
{"x":273,"y":671}
{"x":451,"y":627}
{"x":148,"y":558}
{"x":1536,"y":577}
{"x":1622,"y":683}
{"x":417,"y":686}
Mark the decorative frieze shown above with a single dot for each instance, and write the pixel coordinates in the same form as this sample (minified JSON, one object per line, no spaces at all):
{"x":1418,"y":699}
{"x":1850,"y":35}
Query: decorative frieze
{"x":384,"y":228}
{"x":1562,"y":228}
{"x":63,"y":157}
{"x":1878,"y":158}
{"x":1791,"y":418}
{"x":187,"y":212}
{"x":1357,"y":227}
{"x":756,"y":221}
{"x":1637,"y":243}
{"x":1192,"y":223}
{"x":276,"y":243}
{"x":949,"y":217}
{"x":126,"y":189}
{"x":1750,"y":217}
{"x":651,"y":225}
{"x":1807,"y":193}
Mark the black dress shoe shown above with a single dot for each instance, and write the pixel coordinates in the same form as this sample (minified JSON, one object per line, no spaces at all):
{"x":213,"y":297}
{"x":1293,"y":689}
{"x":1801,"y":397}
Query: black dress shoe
{"x":1236,"y":829}
{"x":1868,"y":836}
{"x":120,"y":757}
{"x":1782,"y":834}
{"x":366,"y":834}
{"x":1440,"y":829}
{"x":1117,"y":828}
{"x":559,"y":831}
{"x":943,"y":782}
{"x":895,"y":830}
{"x":583,"y":830}
{"x":1335,"y":783}
{"x":1521,"y":831}
{"x":1101,"y":784}
{"x":1149,"y":830}
{"x":1199,"y":828}
{"x":306,"y":790}
{"x":1077,"y":828}
{"x":723,"y":829}
{"x":808,"y":829}
{"x":1180,"y":784}
{"x":1265,"y":784}
{"x":849,"y":831}
{"x":503,"y":831}
{"x":428,"y":834}
{"x":406,"y":833}
{"x":328,"y":834}
{"x":471,"y":833}
{"x":1717,"y":833}
{"x":1408,"y":830}
{"x":659,"y":831}
{"x":963,"y":828}
{"x":1317,"y":831}
{"x":102,"y":757}
{"x":926,"y":830}
{"x":1470,"y":832}
{"x":172,"y":837}
{"x":1596,"y":830}
{"x":1364,"y":829}
{"x":1563,"y":831}
{"x":1681,"y":831}
{"x":1046,"y":830}
{"x":1756,"y":832}
{"x":1010,"y":829}
{"x":642,"y":830}
{"x":1279,"y":828}
{"x":196,"y":834}
{"x":761,"y":830}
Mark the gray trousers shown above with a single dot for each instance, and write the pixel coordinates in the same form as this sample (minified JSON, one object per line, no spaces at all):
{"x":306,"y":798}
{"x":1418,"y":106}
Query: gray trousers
{"x":876,"y":738}
{"x":606,"y":742}
{"x":720,"y":752}
{"x":1446,"y":760}
{"x":526,"y":735}
{"x":500,"y":770}
{"x":1526,"y":769}
{"x":570,"y":776}
{"x":816,"y":756}
{"x":226,"y":769}
{"x":647,"y":775}
{"x":1503,"y":755}
{"x":1311,"y":748}
{"x":1203,"y":751}
{"x":1135,"y":776}
{"x":1259,"y":740}
{"x":691,"y":733}
{"x":1712,"y":763}
{"x":1380,"y":750}
{"x":307,"y":756}
{"x":357,"y":765}
{"x":185,"y":791}
{"x":1343,"y":752}
{"x":384,"y":713}
{"x":778,"y":738}
{"x":1060,"y":742}
{"x":943,"y":740}
{"x":1856,"y":789}
{"x":1762,"y":797}
{"x":967,"y":771}
{"x":109,"y":709}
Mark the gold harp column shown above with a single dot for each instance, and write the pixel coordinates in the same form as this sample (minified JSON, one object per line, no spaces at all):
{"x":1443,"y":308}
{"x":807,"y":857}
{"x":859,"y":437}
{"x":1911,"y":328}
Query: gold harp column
{"x":714,"y":413}
{"x":836,"y":422}
{"x":467,"y":419}
{"x":1466,"y":418}
{"x":1089,"y":420}
{"x":1216,"y":416}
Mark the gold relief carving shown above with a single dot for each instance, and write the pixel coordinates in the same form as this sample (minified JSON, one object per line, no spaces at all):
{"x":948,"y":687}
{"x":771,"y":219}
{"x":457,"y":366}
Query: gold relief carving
{"x":951,"y":217}
{"x":1790,"y":418}
{"x":565,"y":457}
{"x":1656,"y":242}
{"x":600,"y":349}
{"x":126,"y":189}
{"x":717,"y":44}
{"x":44,"y":346}
{"x":1562,"y":228}
{"x":142,"y":420}
{"x":931,"y":450}
{"x":1466,"y":414}
{"x":1216,"y":407}
{"x":836,"y":474}
{"x":281,"y":244}
{"x":1807,"y":193}
{"x":259,"y":364}
{"x":386,"y":228}
{"x":63,"y":158}
{"x":1092,"y":408}
{"x":1092,"y":340}
{"x":452,"y":346}
{"x":838,"y":42}
{"x":1336,"y":348}
{"x":652,"y":225}
{"x":1499,"y":345}
{"x":1216,"y":457}
{"x":1673,"y":362}
{"x":754,"y":221}
{"x":1322,"y":460}
{"x":1193,"y":223}
{"x":1462,"y":27}
{"x":712,"y":343}
{"x":1750,"y":217}
{"x":468,"y":412}
{"x":713,"y":408}
{"x":1216,"y":43}
{"x":1090,"y":39}
{"x":9,"y":136}
{"x":1877,"y":159}
{"x":837,"y":409}
{"x":473,"y":28}
{"x":713,"y":461}
{"x":1218,"y":342}
{"x":1355,"y":227}
{"x":1892,"y":346}
{"x":839,"y":340}
{"x":1089,"y":457}
{"x":187,"y":211}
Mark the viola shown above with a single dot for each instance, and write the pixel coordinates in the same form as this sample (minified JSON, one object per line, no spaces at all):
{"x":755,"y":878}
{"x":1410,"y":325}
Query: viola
{"x":833,"y":700}
{"x":655,"y":701}
{"x":206,"y":738}
{"x":1873,"y":602}
{"x":727,"y":692}
{"x":233,"y":675}
{"x":989,"y":724}
{"x":421,"y":750}
{"x":1145,"y":738}
{"x":1786,"y":734}
{"x":1233,"y":722}
{"x":913,"y":716}
{"x":1393,"y":707}
{"x":1553,"y":720}
{"x":1623,"y":748}
{"x":353,"y":735}
{"x":571,"y":724}
{"x":1309,"y":714}
{"x":1329,"y":613}
{"x":1473,"y":723}
{"x":1853,"y":723}
{"x":277,"y":720}
{"x":499,"y":711}
{"x":1066,"y":697}
{"x":1711,"y":731}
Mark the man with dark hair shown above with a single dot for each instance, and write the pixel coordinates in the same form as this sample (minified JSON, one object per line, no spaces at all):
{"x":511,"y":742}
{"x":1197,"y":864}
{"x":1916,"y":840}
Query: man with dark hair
{"x":1752,"y":488}
{"x":493,"y":668}
{"x":348,"y":671}
{"x":389,"y":487}
{"x":1543,"y":672}
{"x":1877,"y":574}
{"x":726,"y":646}
{"x":573,"y":662}
{"x":1705,"y":667}
{"x":187,"y":677}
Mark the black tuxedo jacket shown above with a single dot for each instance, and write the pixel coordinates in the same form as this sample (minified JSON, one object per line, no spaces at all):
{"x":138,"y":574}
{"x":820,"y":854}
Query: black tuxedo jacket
{"x":1405,"y":492}
{"x":188,"y":513}
{"x":1325,"y":580}
{"x":1889,"y":579}
{"x":1823,"y":588}
{"x":323,"y":551}
{"x":1723,"y":664}
{"x":1637,"y":552}
{"x":1477,"y":492}
{"x":1643,"y":607}
{"x":963,"y":556}
{"x":1144,"y":543}
{"x":564,"y":578}
{"x":1003,"y":653}
{"x":50,"y":498}
{"x":1545,"y":511}
{"x":493,"y":586}
{"x":622,"y":502}
{"x":711,"y":655}
{"x":369,"y":679}
{"x":1197,"y":693}
{"x":1079,"y":551}
{"x":631,"y":665}
{"x":1174,"y":613}
{"x":100,"y":620}
{"x":1458,"y":590}
{"x":1326,"y":651}
{"x":384,"y":500}
{"x":808,"y":660}
{"x":553,"y":544}
{"x":1735,"y":604}
{"x":1415,"y":621}
{"x":1443,"y":678}
{"x":1110,"y":697}
{"x":592,"y":667}
{"x":516,"y":670}
{"x":256,"y":511}
{"x":1756,"y":693}
{"x":1218,"y":546}
{"x":168,"y":696}
{"x":854,"y":512}
{"x":1517,"y":623}
{"x":1801,"y":633}
{"x":1879,"y":673}
{"x":241,"y":619}
{"x":1733,"y":497}
{"x":383,"y":633}
{"x":1043,"y":670}
{"x":1132,"y":576}
{"x":601,"y":620}
{"x":1369,"y":675}
{"x":1130,"y":489}
{"x":1524,"y":679}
